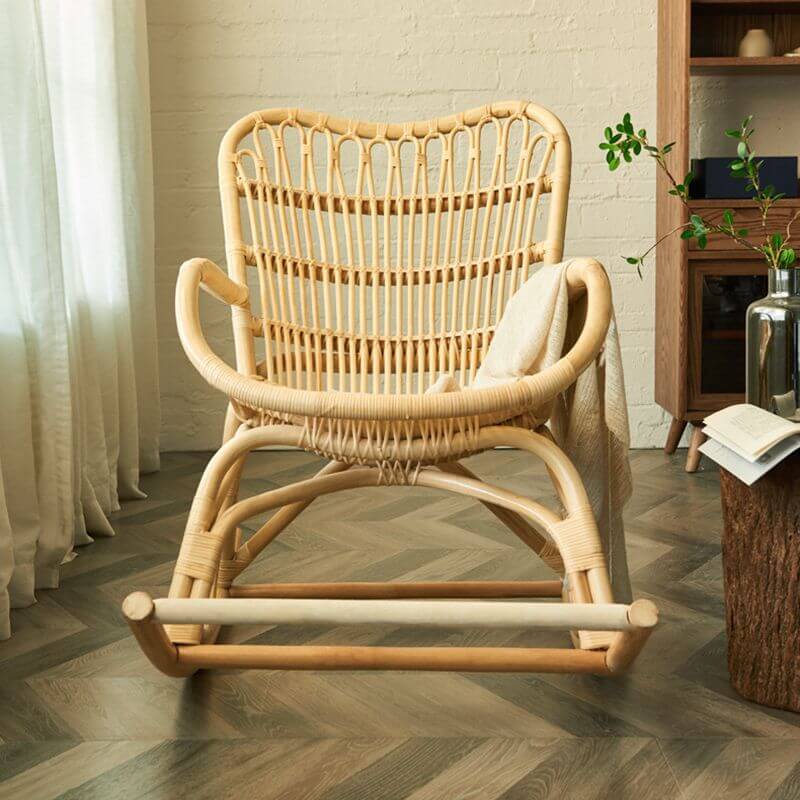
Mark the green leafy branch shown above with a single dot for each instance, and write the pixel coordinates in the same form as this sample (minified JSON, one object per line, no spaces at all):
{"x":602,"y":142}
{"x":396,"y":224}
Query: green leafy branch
{"x":623,"y":143}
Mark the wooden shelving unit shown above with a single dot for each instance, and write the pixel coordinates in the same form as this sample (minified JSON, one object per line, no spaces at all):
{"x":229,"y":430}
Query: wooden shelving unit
{"x":698,"y":360}
{"x":777,"y":65}
{"x":787,"y":202}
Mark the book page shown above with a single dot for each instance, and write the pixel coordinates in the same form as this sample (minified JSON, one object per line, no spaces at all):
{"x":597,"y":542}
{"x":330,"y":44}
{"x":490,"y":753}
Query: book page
{"x":751,"y":429}
{"x":720,"y":438}
{"x":745,"y":470}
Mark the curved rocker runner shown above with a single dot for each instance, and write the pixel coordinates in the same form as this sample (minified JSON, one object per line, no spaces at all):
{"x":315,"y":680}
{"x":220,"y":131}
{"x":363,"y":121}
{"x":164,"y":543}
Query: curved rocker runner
{"x":376,"y":271}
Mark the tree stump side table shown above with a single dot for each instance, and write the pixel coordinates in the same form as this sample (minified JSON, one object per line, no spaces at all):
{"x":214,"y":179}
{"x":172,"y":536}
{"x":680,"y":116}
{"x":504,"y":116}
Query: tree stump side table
{"x":761,"y":562}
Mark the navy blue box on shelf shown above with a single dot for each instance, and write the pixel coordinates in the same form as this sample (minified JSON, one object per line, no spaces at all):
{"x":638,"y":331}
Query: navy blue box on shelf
{"x":713,"y":181}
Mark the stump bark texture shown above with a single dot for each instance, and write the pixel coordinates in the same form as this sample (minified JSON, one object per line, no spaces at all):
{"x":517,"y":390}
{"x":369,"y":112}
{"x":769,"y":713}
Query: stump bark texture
{"x":761,"y":560}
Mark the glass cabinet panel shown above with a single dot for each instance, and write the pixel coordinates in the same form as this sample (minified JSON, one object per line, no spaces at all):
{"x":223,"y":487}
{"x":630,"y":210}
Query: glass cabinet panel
{"x":725,"y":300}
{"x":720,"y":290}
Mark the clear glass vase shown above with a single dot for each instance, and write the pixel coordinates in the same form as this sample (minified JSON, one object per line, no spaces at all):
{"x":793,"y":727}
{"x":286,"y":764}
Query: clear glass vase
{"x":773,"y":351}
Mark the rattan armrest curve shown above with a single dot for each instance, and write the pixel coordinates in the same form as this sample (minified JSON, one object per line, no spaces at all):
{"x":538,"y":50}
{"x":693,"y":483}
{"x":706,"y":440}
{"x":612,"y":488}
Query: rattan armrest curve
{"x":528,"y":393}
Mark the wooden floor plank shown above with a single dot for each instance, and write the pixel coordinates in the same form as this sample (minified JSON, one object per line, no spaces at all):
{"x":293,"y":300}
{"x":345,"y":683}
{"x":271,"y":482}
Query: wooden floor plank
{"x":742,"y":768}
{"x":500,"y":763}
{"x":598,"y":768}
{"x":86,"y":717}
{"x":60,"y":773}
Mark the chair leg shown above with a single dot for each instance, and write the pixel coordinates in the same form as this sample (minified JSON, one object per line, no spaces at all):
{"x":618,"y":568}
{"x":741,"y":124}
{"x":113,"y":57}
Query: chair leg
{"x":197,"y":569}
{"x":676,"y":429}
{"x":693,"y":456}
{"x":180,"y":646}
{"x":138,"y":610}
{"x":626,"y":645}
{"x":576,"y":534}
{"x":283,"y":516}
{"x":590,"y":583}
{"x":514,"y":522}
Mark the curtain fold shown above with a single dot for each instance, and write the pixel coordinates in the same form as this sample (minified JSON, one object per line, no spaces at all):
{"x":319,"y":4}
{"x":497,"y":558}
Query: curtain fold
{"x":79,"y":412}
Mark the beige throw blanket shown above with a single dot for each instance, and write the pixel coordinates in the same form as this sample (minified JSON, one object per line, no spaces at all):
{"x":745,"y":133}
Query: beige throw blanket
{"x":590,"y":421}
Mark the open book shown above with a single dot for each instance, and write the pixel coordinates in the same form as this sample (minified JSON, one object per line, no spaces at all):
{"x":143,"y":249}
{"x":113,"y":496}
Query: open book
{"x":749,"y":441}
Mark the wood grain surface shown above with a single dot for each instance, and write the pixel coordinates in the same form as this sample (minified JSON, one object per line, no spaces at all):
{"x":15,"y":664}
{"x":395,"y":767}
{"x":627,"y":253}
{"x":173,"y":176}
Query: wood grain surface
{"x":671,"y":273}
{"x":761,"y":544}
{"x":86,"y":717}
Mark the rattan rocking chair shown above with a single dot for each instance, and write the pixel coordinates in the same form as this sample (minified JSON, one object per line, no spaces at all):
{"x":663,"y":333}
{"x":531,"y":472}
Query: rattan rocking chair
{"x":382,"y":256}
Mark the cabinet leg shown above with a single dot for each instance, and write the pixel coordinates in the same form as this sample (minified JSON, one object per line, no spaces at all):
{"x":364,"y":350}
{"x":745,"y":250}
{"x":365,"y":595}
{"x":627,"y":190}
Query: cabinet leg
{"x":693,"y":456}
{"x":676,"y":429}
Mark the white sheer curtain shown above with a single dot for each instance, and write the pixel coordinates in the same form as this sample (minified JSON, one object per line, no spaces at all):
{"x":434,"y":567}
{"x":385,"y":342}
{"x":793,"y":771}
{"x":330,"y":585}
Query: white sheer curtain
{"x":79,"y":412}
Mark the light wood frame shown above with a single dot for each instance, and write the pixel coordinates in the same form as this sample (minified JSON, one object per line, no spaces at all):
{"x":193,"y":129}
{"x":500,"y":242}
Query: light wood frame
{"x":365,"y":296}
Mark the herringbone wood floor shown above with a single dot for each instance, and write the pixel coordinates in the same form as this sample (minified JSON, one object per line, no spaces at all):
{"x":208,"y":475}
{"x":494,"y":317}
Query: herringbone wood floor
{"x":85,"y":716}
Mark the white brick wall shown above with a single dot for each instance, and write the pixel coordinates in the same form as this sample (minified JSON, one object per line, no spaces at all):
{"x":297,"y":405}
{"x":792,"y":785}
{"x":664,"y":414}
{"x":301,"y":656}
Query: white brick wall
{"x":213,"y":61}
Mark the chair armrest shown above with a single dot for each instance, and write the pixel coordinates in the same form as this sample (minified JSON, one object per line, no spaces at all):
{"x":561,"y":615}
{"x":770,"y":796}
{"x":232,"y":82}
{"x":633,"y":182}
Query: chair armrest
{"x":196,"y":274}
{"x":586,"y":275}
{"x":200,"y":272}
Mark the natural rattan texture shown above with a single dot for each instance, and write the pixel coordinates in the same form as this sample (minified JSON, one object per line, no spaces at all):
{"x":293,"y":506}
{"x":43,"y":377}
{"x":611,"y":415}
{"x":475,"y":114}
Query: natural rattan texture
{"x":365,"y":260}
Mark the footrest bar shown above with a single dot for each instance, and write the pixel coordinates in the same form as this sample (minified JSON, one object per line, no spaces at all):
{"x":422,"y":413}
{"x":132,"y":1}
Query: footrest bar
{"x":418,"y":613}
{"x":141,"y":613}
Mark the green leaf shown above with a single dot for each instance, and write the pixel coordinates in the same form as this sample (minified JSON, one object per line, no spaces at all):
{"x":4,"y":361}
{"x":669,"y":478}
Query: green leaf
{"x":743,"y":232}
{"x":734,"y":134}
{"x":741,"y":150}
{"x":776,"y":240}
{"x":728,"y":218}
{"x":786,"y":257}
{"x":632,"y":260}
{"x":613,"y":164}
{"x":642,"y":134}
{"x":627,"y":124}
{"x":609,"y":156}
{"x":736,"y":166}
{"x":687,"y":234}
{"x":608,"y":134}
{"x":702,"y":241}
